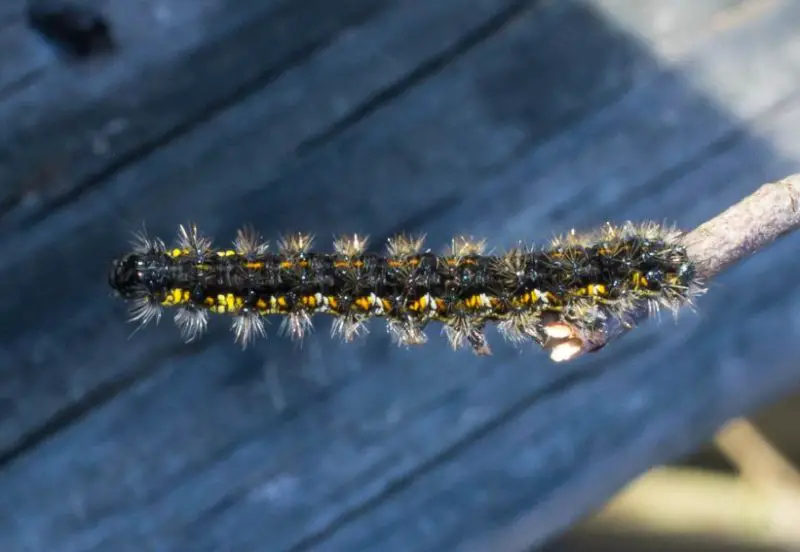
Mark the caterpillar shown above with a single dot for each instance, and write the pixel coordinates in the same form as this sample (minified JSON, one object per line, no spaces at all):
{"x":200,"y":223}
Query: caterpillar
{"x":580,"y":280}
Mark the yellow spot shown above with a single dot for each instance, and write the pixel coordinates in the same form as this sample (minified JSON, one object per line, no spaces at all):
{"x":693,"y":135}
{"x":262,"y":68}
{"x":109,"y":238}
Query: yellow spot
{"x":229,"y":301}
{"x":176,"y":296}
{"x":286,"y":264}
{"x":423,"y":302}
{"x":281,"y":301}
{"x":332,"y":302}
{"x":592,"y":289}
{"x":387,"y":305}
{"x":261,"y":305}
{"x":639,"y":280}
{"x":309,"y":301}
{"x":226,"y":253}
{"x":176,"y":252}
{"x":363,"y":303}
{"x":209,"y":301}
{"x":253,"y":265}
{"x":534,"y":296}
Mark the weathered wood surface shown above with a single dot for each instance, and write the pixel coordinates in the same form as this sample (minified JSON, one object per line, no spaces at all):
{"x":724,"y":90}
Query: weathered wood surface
{"x":510,"y":120}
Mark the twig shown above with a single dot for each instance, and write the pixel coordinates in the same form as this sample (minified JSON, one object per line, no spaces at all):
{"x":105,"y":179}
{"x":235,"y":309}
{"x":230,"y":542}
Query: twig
{"x":752,"y":224}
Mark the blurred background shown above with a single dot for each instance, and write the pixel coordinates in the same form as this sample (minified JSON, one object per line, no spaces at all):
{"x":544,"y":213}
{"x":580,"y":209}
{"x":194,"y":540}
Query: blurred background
{"x":506,"y":119}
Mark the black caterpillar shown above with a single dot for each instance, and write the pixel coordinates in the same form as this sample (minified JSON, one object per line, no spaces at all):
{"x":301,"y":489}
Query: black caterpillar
{"x":580,"y":280}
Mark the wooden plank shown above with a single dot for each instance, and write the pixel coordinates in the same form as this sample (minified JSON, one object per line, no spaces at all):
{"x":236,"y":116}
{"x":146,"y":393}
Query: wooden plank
{"x":427,"y":101}
{"x":599,"y":431}
{"x":665,"y":398}
{"x":269,"y":128}
{"x":157,"y":88}
{"x":11,"y":11}
{"x":142,"y":35}
{"x":372,"y":432}
{"x":673,"y":150}
{"x":22,"y":58}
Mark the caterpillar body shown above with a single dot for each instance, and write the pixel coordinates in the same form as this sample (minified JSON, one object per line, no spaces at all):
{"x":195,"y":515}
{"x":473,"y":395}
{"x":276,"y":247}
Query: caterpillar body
{"x":581,"y":280}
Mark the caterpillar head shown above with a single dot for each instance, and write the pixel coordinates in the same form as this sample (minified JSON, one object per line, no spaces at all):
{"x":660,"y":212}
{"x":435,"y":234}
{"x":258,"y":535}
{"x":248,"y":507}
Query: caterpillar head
{"x":135,"y":275}
{"x":125,"y":276}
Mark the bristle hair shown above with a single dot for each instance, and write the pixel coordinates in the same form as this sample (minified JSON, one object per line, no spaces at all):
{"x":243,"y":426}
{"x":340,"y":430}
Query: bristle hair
{"x":249,"y":243}
{"x":405,"y":246}
{"x":189,"y":238}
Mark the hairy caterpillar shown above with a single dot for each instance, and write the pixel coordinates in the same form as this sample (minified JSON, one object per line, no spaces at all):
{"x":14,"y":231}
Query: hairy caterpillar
{"x":580,"y":280}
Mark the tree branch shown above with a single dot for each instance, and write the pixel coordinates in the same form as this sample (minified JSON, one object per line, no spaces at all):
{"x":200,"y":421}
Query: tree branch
{"x":758,"y":220}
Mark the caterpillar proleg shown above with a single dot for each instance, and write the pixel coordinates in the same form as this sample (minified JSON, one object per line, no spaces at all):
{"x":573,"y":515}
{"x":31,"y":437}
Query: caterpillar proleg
{"x":578,"y":283}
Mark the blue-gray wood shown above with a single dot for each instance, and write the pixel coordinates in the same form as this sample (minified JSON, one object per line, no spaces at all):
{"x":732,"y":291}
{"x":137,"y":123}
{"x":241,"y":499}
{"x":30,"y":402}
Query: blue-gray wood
{"x":507,"y":119}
